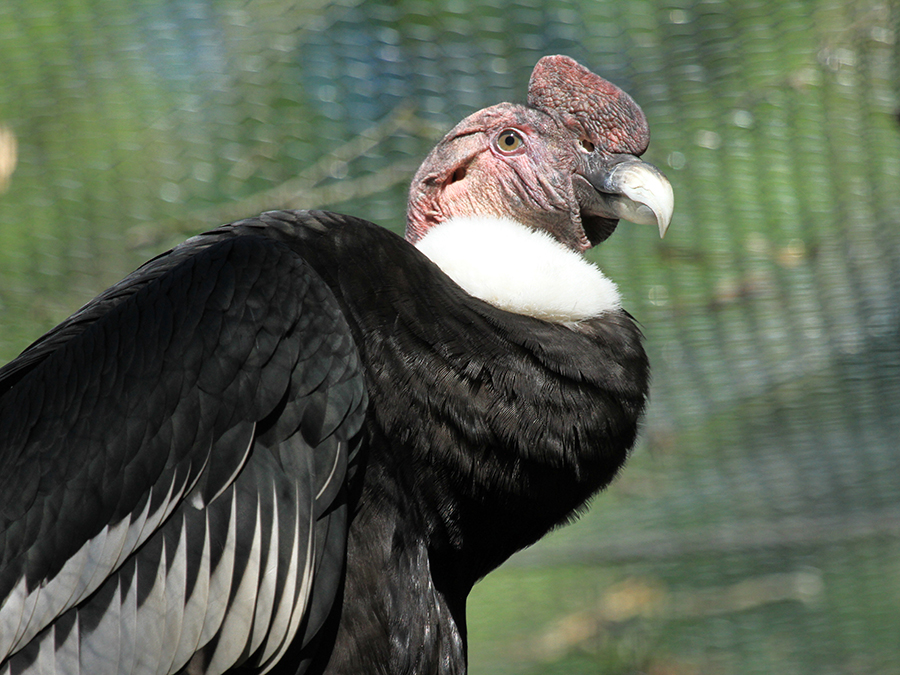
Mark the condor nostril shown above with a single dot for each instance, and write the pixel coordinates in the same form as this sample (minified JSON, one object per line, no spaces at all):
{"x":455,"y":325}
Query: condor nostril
{"x":458,"y":175}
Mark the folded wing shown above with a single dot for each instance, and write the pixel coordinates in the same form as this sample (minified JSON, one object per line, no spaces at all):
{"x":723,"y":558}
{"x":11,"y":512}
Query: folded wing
{"x":173,"y":467}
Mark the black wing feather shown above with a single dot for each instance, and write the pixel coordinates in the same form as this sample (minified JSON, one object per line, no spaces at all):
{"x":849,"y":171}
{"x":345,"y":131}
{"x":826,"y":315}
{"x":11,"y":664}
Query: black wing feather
{"x":208,"y":403}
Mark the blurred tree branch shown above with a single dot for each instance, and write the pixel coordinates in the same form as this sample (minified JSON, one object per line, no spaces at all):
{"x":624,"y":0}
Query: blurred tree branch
{"x":306,"y":190}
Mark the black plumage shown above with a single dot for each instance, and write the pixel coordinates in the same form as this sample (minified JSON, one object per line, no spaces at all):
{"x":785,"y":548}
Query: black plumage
{"x":292,"y":443}
{"x":219,"y":377}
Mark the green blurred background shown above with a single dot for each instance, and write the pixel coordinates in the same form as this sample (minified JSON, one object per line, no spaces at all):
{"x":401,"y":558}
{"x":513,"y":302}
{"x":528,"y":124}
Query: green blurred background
{"x":757,"y":526}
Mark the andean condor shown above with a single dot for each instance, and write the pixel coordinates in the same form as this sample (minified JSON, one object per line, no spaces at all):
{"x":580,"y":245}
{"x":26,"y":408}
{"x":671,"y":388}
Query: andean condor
{"x":294,"y":443}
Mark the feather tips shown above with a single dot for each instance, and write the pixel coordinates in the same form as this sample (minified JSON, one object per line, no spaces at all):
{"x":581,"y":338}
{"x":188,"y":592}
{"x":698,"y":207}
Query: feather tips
{"x":215,"y":562}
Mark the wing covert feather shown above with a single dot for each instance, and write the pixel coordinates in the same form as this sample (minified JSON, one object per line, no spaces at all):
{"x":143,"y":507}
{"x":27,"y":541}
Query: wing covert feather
{"x":171,"y":459}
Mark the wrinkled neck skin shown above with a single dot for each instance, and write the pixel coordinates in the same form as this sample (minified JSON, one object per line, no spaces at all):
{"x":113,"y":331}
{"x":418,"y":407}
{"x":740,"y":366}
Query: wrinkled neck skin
{"x":486,"y":429}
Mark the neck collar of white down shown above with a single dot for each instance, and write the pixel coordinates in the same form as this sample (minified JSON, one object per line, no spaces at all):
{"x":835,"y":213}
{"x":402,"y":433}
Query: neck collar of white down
{"x":519,"y":270}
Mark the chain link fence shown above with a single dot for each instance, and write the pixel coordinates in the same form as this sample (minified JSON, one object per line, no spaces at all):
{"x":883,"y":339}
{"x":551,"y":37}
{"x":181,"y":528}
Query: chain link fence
{"x":757,"y":527}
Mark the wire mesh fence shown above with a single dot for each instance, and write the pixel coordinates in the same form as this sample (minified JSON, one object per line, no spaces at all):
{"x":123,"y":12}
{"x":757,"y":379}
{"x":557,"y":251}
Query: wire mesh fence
{"x":757,"y":527}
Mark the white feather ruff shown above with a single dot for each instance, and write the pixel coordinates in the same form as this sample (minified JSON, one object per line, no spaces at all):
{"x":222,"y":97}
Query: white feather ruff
{"x":519,"y":270}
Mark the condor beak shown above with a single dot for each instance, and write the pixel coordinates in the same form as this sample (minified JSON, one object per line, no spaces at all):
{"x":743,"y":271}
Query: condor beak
{"x":630,"y":189}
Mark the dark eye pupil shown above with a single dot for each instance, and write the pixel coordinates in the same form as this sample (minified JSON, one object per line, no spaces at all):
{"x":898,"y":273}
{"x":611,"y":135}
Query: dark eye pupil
{"x":509,"y":140}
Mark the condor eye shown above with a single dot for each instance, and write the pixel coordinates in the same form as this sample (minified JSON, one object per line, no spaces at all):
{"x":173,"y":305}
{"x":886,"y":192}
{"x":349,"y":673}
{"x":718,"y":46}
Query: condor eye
{"x":510,"y":140}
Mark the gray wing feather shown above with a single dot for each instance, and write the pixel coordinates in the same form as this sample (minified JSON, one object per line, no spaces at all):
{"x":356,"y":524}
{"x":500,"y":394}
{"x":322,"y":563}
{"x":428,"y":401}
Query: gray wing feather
{"x":207,"y":407}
